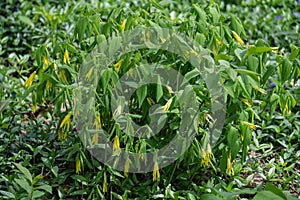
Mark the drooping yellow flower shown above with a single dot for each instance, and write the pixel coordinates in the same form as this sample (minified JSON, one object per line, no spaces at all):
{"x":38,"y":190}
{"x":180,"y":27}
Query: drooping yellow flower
{"x":78,"y":166}
{"x":116,"y":145}
{"x":48,"y":86}
{"x":229,"y":169}
{"x":55,"y":67}
{"x":97,"y":121}
{"x":104,"y":186}
{"x":219,"y":42}
{"x":46,"y":62}
{"x":63,"y":76}
{"x":206,"y":156}
{"x":29,"y":81}
{"x":170,"y":90}
{"x":123,"y":25}
{"x":66,"y":120}
{"x":252,"y":126}
{"x":89,"y":74}
{"x":95,"y":138}
{"x":66,"y":57}
{"x":261,"y":90}
{"x":33,"y":108}
{"x":118,"y":65}
{"x":62,"y":135}
{"x":156,"y":175}
{"x":150,"y":101}
{"x":245,"y":101}
{"x":237,"y":37}
{"x":286,"y":110}
{"x":126,"y":167}
{"x":167,"y":105}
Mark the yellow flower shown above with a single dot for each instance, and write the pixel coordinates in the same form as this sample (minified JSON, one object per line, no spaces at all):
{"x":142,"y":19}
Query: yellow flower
{"x":48,"y":86}
{"x":237,"y":38}
{"x":55,"y":67}
{"x":66,"y":120}
{"x":88,"y":75}
{"x":78,"y":166}
{"x":33,"y":108}
{"x":62,"y":135}
{"x":168,"y":104}
{"x":62,"y":75}
{"x":46,"y":62}
{"x":219,"y":42}
{"x":286,"y":110}
{"x":95,"y":139}
{"x":118,"y":65}
{"x":97,"y":122}
{"x":261,"y":90}
{"x":66,"y":57}
{"x":29,"y":81}
{"x":126,"y":167}
{"x":245,"y":101}
{"x":150,"y":101}
{"x":104,"y":186}
{"x":229,"y":169}
{"x":116,"y":145}
{"x":123,"y":25}
{"x":206,"y":156}
{"x":169,"y":89}
{"x":252,"y":126}
{"x":156,"y":175}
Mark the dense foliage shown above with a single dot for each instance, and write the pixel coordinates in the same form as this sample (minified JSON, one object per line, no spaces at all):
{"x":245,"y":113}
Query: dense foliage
{"x":255,"y":48}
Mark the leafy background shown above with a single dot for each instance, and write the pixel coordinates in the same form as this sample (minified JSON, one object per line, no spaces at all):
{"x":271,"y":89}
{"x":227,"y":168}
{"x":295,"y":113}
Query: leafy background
{"x":43,"y":44}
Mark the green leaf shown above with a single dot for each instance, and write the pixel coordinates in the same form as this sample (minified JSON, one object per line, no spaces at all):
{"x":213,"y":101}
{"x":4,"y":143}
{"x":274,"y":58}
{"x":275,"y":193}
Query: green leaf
{"x":141,"y":94}
{"x":201,"y":13}
{"x":270,"y":71}
{"x":267,"y":195}
{"x":215,"y":14}
{"x":26,"y":20}
{"x":24,"y":184}
{"x":258,"y":50}
{"x":272,"y":188}
{"x":7,"y":194}
{"x":37,"y":194}
{"x":210,"y":197}
{"x":25,"y":172}
{"x":294,"y":53}
{"x":285,"y":70}
{"x":46,"y":188}
{"x":159,"y":90}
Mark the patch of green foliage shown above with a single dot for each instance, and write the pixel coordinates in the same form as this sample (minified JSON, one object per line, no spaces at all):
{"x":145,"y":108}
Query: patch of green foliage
{"x":44,"y":43}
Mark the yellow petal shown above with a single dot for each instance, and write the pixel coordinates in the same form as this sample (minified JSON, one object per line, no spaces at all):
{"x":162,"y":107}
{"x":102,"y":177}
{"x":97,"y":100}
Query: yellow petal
{"x":229,"y":169}
{"x":167,"y":105}
{"x":66,"y":57}
{"x":46,"y":62}
{"x":89,"y":74}
{"x":48,"y":86}
{"x":63,"y":76}
{"x":29,"y":81}
{"x":237,"y":37}
{"x":126,"y":167}
{"x":78,"y":166}
{"x":116,"y":145}
{"x":95,"y":139}
{"x":123,"y":25}
{"x":66,"y":120}
{"x":118,"y":65}
{"x":156,"y":174}
{"x":150,"y":101}
{"x":252,"y":126}
{"x":261,"y":90}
